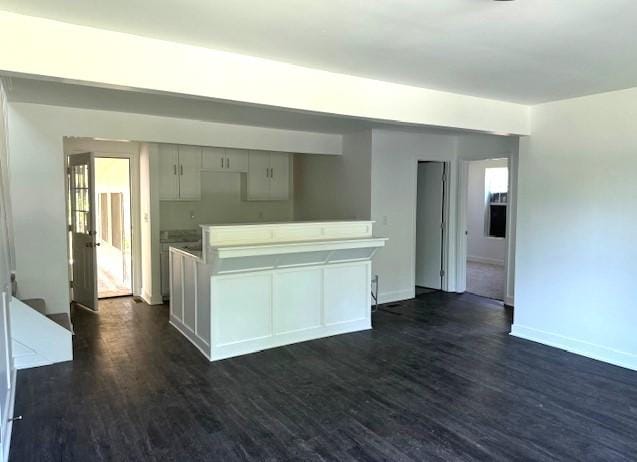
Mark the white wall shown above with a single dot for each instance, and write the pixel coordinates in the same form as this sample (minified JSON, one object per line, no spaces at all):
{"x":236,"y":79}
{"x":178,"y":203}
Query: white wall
{"x":394,"y":165}
{"x":480,"y":247}
{"x":37,"y":175}
{"x":335,"y":187}
{"x":7,"y":370}
{"x":576,"y":252}
{"x":395,"y":157}
{"x":41,"y":47}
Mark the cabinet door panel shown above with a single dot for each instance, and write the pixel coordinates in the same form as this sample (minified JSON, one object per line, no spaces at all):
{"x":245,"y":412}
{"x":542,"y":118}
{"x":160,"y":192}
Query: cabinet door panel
{"x":258,"y":185}
{"x":298,"y":299}
{"x":168,"y":172}
{"x":189,"y":173}
{"x":242,"y":308}
{"x":347,"y":290}
{"x":213,"y":159}
{"x":176,"y":286}
{"x":280,"y":176}
{"x":236,"y":160}
{"x":190,"y":292}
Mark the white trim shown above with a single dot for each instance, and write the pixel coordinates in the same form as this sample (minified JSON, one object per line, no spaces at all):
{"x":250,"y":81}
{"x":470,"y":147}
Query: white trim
{"x":149,"y":300}
{"x":579,"y":347}
{"x":488,"y":261}
{"x":509,"y":301}
{"x":10,"y":407}
{"x":191,"y":336}
{"x":396,"y":295}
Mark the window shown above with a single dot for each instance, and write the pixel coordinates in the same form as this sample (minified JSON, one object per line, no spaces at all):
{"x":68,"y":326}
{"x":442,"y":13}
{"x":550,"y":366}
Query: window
{"x":496,"y":185}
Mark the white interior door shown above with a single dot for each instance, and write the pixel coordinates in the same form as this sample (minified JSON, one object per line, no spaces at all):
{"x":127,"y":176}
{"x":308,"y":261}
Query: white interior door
{"x":429,"y":221}
{"x":83,"y":229}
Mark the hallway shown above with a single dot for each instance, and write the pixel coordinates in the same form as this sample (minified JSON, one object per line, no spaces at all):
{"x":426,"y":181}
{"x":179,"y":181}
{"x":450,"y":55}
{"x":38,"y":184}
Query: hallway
{"x":486,"y":280}
{"x":438,"y":378}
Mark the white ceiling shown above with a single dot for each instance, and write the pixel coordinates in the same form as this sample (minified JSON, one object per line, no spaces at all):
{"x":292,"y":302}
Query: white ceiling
{"x":526,"y":51}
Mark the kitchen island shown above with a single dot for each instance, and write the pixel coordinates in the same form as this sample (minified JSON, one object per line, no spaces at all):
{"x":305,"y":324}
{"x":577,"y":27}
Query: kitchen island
{"x":256,"y":286}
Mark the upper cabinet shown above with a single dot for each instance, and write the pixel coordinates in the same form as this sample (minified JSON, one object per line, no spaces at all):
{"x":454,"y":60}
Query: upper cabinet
{"x":225,"y":160}
{"x":180,"y":167}
{"x":268,"y":176}
{"x":179,"y":172}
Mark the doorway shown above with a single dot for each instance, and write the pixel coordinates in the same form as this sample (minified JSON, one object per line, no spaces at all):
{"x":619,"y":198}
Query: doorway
{"x":113,"y":227}
{"x":100,"y":227}
{"x":486,"y":227}
{"x":430,"y":226}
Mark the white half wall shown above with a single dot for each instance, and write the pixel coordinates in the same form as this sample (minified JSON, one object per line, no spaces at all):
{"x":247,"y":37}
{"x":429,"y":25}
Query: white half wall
{"x":576,"y":254}
{"x":480,"y":247}
{"x":42,"y":47}
{"x":37,"y":175}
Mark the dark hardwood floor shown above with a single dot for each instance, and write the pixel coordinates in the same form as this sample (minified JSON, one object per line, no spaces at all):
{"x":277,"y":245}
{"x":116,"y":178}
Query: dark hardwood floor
{"x":437,"y":379}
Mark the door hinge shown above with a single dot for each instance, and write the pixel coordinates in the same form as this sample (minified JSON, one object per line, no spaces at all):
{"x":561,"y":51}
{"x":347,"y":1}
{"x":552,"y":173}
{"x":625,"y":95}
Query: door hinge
{"x":442,"y":273}
{"x":70,"y":284}
{"x":444,"y":177}
{"x":70,"y":228}
{"x":68,"y":170}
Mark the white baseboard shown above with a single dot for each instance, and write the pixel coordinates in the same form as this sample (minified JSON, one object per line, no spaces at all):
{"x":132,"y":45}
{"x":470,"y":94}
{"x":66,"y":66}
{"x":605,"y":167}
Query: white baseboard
{"x":149,"y":300}
{"x":489,"y":261}
{"x":396,"y":296}
{"x":508,"y":301}
{"x":579,"y":347}
{"x":9,"y":409}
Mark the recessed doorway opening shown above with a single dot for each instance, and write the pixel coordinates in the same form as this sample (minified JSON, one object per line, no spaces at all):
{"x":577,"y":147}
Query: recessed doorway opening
{"x":487,"y":210}
{"x":430,"y":226}
{"x":113,"y":227}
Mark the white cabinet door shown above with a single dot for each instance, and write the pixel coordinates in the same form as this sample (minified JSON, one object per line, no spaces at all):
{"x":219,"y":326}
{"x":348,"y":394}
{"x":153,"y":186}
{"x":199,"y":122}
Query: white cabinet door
{"x":213,"y":159}
{"x":279,"y":176}
{"x":236,"y":160}
{"x":189,"y":172}
{"x":168,"y":172}
{"x":258,"y":183}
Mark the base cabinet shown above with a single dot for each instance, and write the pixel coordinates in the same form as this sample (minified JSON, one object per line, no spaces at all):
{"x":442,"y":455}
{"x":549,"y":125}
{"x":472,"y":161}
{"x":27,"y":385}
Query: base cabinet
{"x":267,"y":309}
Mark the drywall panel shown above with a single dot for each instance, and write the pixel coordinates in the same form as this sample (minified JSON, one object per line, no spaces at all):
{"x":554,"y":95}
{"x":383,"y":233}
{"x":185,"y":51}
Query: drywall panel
{"x":576,"y":253}
{"x":42,"y":47}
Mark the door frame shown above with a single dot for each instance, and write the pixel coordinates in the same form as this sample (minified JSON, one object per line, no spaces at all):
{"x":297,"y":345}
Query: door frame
{"x":86,"y":159}
{"x":132,"y":153}
{"x":461,"y":236}
{"x":447,"y":224}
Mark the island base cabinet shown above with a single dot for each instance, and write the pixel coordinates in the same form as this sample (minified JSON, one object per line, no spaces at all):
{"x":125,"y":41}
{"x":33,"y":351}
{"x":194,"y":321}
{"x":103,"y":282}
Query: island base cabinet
{"x":266,"y":309}
{"x":190,"y":300}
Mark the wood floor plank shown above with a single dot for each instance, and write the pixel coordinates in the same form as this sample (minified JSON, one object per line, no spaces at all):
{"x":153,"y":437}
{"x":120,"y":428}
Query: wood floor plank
{"x":438,"y":378}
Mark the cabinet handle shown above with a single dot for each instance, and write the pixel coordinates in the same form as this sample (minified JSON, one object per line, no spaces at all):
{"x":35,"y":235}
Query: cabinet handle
{"x":228,"y":162}
{"x":222,"y":162}
{"x":267,"y":173}
{"x":181,"y":170}
{"x":272,"y":172}
{"x":175,"y":169}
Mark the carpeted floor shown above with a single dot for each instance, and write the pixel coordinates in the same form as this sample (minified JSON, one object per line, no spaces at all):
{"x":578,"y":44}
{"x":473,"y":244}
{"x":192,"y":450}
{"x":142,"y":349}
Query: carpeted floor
{"x":485,"y":280}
